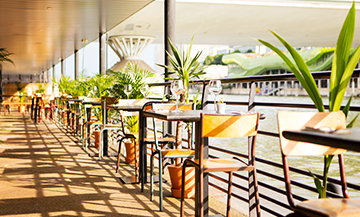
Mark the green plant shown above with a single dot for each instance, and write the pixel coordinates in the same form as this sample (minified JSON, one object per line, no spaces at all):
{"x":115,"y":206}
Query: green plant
{"x":186,"y":68}
{"x":40,"y":89}
{"x":4,"y":56}
{"x":21,"y":91}
{"x":137,"y":77}
{"x":342,"y":69}
{"x":130,"y":74}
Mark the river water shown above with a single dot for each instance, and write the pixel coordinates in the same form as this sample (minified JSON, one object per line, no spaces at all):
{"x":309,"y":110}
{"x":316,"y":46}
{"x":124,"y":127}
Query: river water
{"x":269,"y":148}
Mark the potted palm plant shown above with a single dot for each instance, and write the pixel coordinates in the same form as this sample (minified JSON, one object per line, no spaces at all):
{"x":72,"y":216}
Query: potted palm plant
{"x":101,"y":83}
{"x":344,"y":63}
{"x":185,"y":68}
{"x":137,"y":77}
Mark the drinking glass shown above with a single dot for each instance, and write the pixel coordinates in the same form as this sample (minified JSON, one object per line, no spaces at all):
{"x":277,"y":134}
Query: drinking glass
{"x":215,"y":89}
{"x":144,"y":89}
{"x":127,"y":90}
{"x":177,"y":87}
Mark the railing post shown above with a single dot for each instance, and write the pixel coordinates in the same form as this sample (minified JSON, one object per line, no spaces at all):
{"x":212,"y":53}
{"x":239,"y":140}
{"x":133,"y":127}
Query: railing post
{"x":251,"y":191}
{"x":205,"y":96}
{"x":252,"y":93}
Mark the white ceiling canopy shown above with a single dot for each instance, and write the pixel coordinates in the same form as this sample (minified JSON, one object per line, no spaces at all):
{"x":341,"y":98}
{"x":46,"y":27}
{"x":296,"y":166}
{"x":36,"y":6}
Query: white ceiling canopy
{"x":40,"y":32}
{"x":238,"y":22}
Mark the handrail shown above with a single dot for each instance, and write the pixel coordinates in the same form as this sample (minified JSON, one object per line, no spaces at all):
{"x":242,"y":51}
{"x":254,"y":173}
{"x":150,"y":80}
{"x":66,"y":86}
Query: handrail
{"x":257,"y":78}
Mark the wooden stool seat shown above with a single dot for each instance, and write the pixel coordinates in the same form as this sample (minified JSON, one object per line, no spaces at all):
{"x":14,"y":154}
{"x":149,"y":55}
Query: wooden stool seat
{"x":177,"y":152}
{"x":224,"y":164}
{"x":339,"y":207}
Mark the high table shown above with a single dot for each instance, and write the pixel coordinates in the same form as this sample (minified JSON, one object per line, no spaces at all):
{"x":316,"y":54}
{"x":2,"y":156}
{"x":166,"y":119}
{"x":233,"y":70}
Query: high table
{"x":188,"y":116}
{"x":347,"y":139}
{"x":136,"y":105}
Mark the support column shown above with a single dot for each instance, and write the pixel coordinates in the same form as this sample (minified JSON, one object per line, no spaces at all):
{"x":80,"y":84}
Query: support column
{"x":170,"y":33}
{"x":62,"y":67}
{"x":102,"y":54}
{"x":170,"y":30}
{"x":1,"y":85}
{"x":53,"y":72}
{"x":76,"y":64}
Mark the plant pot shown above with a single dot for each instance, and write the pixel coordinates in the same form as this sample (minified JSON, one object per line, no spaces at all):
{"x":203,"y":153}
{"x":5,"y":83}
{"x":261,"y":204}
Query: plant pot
{"x":22,"y":108}
{"x":130,"y":152}
{"x":97,"y":135}
{"x":220,"y":107}
{"x":175,"y":177}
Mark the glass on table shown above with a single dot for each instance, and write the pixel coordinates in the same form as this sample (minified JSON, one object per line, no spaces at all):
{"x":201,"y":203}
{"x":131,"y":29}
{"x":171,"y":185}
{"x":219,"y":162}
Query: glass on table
{"x":127,"y":90}
{"x":215,"y":89}
{"x":144,"y":89}
{"x":177,"y":87}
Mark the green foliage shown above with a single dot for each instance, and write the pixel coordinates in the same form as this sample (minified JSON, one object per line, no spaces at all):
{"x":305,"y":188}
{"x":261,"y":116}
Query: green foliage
{"x":101,"y":84}
{"x":40,"y":89}
{"x":183,"y":66}
{"x":342,"y":70}
{"x":209,"y":60}
{"x":131,"y":74}
{"x":137,"y":77}
{"x":21,"y":90}
{"x":4,"y":56}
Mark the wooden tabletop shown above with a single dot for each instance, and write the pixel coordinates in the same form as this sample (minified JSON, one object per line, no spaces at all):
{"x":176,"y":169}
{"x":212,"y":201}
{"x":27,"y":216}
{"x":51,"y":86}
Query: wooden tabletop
{"x":347,"y":139}
{"x":75,"y":100}
{"x":130,"y":105}
{"x":186,"y":115}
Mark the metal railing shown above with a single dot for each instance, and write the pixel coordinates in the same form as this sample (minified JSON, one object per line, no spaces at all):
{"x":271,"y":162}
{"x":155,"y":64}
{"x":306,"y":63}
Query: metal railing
{"x":271,"y":201}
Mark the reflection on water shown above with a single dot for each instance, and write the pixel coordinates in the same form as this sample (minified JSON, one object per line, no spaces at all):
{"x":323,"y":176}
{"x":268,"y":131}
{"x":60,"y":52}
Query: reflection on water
{"x":268,"y":147}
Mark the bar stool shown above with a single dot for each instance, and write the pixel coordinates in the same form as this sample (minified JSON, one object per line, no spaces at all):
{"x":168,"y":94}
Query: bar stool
{"x":165,"y":153}
{"x":105,"y":101}
{"x":228,"y":126}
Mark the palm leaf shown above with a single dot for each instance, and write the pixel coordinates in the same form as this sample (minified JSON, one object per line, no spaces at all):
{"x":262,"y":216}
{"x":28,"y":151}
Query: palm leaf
{"x":346,"y":76}
{"x":341,"y":56}
{"x":304,"y":69}
{"x":296,"y":72}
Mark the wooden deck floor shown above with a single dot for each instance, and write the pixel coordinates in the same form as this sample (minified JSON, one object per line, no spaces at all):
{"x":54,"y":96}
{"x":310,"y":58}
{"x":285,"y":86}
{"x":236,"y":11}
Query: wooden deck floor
{"x":45,"y":172}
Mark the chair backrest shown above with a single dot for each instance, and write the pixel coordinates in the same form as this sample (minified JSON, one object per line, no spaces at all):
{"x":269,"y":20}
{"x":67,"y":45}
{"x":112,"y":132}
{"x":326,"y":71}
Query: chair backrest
{"x":217,"y":125}
{"x":289,"y":120}
{"x":170,"y":107}
{"x":230,"y":126}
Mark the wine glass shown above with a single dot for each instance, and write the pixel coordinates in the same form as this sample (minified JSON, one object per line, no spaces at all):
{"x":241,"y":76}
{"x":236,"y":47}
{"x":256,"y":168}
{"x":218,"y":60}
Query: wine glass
{"x":215,"y":89}
{"x":177,"y":87}
{"x":127,"y":90}
{"x":144,"y":89}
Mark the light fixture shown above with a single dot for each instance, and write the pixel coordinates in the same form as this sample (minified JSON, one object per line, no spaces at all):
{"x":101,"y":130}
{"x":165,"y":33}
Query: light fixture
{"x":49,"y":8}
{"x":84,"y":40}
{"x":59,"y":58}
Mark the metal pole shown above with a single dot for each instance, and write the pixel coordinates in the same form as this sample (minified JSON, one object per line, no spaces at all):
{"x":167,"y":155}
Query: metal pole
{"x":62,"y":68}
{"x":170,"y":30}
{"x":170,"y":34}
{"x":1,"y":85}
{"x":76,"y":65}
{"x":53,"y":71}
{"x":102,"y":54}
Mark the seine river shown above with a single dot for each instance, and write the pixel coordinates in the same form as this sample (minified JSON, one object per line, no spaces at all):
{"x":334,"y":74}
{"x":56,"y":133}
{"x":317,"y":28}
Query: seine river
{"x":268,"y":147}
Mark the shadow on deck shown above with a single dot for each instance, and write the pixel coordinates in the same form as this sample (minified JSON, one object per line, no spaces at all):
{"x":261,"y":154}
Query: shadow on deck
{"x":45,"y":172}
